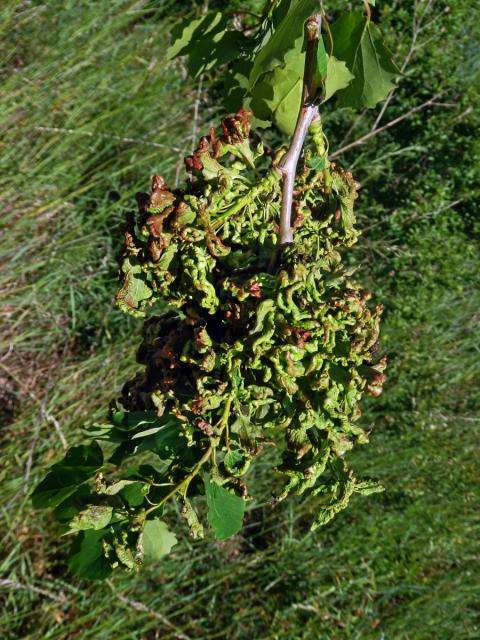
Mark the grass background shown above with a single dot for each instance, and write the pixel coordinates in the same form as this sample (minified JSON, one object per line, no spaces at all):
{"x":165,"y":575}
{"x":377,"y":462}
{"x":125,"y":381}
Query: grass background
{"x":88,"y":111}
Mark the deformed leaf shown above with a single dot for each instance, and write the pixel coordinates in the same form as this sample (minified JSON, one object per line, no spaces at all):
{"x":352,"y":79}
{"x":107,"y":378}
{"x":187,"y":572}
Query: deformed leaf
{"x":135,"y":290}
{"x":225,"y":510}
{"x":87,"y":559}
{"x":93,"y":517}
{"x":194,"y":524}
{"x":80,"y":464}
{"x":157,"y":540}
{"x":357,"y":42}
{"x":233,"y":459}
{"x":367,"y":487}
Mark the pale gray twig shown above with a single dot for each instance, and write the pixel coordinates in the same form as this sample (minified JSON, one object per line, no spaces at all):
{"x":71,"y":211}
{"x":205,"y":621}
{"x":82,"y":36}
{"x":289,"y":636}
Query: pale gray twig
{"x":196,"y":109}
{"x":13,"y":584}
{"x":417,"y":28}
{"x":140,"y":606}
{"x":428,"y":103}
{"x":33,"y":444}
{"x":107,"y":136}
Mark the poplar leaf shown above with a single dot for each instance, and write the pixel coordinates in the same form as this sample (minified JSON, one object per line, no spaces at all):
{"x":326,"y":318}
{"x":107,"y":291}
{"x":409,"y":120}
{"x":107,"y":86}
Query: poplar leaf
{"x":225,"y":510}
{"x":338,"y":77}
{"x":157,"y":539}
{"x":79,"y":464}
{"x":289,"y":34}
{"x":127,"y":420}
{"x":87,"y":559}
{"x":206,"y":41}
{"x":321,"y":63}
{"x":134,"y":493}
{"x":187,"y":31}
{"x":278,"y":93}
{"x":357,"y":42}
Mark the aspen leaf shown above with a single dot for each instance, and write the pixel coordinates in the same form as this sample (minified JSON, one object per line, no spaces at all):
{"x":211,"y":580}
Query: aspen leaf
{"x":358,"y":42}
{"x":157,"y":539}
{"x":87,"y":559}
{"x":338,"y":77}
{"x":225,"y":510}
{"x":288,"y":35}
{"x":80,"y":464}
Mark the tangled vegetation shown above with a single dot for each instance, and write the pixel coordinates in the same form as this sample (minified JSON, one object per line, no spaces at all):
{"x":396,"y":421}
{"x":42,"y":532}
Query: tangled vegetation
{"x":262,"y":345}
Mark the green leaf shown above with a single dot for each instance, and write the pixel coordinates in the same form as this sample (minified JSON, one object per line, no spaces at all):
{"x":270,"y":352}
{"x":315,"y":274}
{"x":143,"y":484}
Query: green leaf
{"x":87,"y":559}
{"x":338,"y":77}
{"x":93,"y":517}
{"x":187,"y":31}
{"x":288,"y":35}
{"x":225,"y":510}
{"x":278,"y":93}
{"x":166,"y":440}
{"x":367,"y":487}
{"x":233,"y":459}
{"x":130,"y":419}
{"x":235,"y":85}
{"x":157,"y":540}
{"x":189,"y":513}
{"x":206,"y":41}
{"x":357,"y":42}
{"x":134,"y":493}
{"x":317,"y":163}
{"x":321,"y":63}
{"x":80,"y":464}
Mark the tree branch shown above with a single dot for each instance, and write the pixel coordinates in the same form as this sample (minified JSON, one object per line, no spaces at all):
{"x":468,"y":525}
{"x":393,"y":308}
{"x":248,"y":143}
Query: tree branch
{"x":417,"y":27}
{"x":431,"y":102}
{"x":308,"y":112}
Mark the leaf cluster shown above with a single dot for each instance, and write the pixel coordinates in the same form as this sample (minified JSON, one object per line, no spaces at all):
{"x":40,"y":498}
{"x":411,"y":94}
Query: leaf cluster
{"x":261,"y":347}
{"x":263,"y":59}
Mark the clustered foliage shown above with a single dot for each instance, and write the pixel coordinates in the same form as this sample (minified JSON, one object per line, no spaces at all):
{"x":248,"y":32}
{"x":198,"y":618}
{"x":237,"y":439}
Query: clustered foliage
{"x":260,"y":346}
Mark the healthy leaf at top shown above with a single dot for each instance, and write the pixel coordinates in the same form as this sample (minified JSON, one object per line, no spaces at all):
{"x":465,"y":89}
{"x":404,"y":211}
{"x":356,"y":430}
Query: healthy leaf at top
{"x":278,"y":93}
{"x":321,"y":63}
{"x":157,"y":539}
{"x":288,"y":35}
{"x":357,"y":41}
{"x":338,"y":77}
{"x":80,"y":464}
{"x":225,"y":510}
{"x":206,"y":41}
